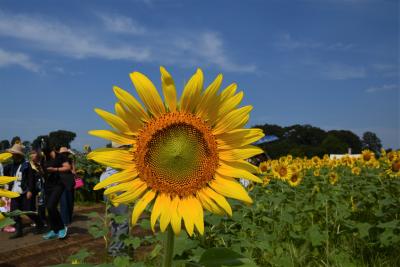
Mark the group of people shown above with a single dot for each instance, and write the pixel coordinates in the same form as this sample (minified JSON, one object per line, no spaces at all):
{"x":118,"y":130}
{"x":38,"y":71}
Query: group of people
{"x":44,"y":181}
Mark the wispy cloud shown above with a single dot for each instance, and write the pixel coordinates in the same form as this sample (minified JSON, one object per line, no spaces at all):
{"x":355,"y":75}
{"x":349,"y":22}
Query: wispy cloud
{"x":8,"y":58}
{"x":139,"y":45}
{"x":343,"y":72}
{"x":121,"y":24}
{"x":385,"y":87}
{"x":287,"y":42}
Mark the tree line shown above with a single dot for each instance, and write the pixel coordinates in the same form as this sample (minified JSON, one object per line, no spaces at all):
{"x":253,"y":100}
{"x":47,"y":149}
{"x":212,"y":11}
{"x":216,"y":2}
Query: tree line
{"x":306,"y":140}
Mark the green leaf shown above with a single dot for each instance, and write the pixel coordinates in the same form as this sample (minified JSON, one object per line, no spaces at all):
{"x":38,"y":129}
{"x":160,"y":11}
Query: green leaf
{"x":363,"y":229}
{"x":133,"y":241}
{"x":183,"y":243}
{"x":6,"y":221}
{"x":315,"y":236}
{"x":218,"y":257}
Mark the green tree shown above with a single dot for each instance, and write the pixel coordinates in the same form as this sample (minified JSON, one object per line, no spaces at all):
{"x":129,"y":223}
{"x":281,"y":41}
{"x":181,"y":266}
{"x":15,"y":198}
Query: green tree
{"x":371,"y":141}
{"x":333,"y":145}
{"x":15,"y":139}
{"x":351,"y":139}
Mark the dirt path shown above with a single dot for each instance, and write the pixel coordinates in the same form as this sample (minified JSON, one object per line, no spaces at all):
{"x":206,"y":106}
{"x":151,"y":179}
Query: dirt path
{"x":31,"y":250}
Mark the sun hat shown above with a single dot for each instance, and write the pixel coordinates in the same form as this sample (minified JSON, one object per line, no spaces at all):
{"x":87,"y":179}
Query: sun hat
{"x":17,"y":149}
{"x":64,"y":149}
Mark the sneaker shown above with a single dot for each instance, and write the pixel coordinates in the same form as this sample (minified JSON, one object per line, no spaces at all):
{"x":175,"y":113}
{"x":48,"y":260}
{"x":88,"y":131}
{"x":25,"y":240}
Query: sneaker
{"x":50,"y":235}
{"x":62,"y":233}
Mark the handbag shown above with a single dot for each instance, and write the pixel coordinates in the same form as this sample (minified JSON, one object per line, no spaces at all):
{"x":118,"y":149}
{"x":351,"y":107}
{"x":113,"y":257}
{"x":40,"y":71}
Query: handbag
{"x":78,"y":182}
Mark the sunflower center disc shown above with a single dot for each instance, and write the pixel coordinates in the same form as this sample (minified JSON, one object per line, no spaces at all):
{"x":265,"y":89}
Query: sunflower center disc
{"x":176,"y":154}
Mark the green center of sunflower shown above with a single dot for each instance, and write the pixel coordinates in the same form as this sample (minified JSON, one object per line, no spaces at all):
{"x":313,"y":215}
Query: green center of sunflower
{"x":176,"y":154}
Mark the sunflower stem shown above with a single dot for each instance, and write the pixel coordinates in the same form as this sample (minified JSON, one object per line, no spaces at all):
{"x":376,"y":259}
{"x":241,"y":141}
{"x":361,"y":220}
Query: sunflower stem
{"x":169,"y":247}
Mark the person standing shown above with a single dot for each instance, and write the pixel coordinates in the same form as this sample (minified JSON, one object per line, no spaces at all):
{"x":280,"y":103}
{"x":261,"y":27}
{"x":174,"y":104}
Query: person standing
{"x":54,"y":165}
{"x":25,"y":185}
{"x":68,"y":179}
{"x":36,"y":162}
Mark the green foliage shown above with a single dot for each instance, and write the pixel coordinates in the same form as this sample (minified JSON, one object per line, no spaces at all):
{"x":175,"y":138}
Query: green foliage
{"x":371,"y":141}
{"x":309,"y":141}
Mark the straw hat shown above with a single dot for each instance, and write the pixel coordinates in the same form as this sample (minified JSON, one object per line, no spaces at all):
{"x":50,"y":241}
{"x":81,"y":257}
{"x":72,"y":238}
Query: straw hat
{"x":117,"y":145}
{"x":64,"y":149}
{"x":17,"y":149}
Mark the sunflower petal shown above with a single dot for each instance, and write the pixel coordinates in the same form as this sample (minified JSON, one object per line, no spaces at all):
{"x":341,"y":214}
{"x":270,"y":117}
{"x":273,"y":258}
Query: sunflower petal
{"x":229,"y":104}
{"x":113,"y":157}
{"x":124,"y":186}
{"x":219,"y":199}
{"x":169,"y":90}
{"x":114,"y":121}
{"x":233,"y":120}
{"x":209,"y":100}
{"x":131,"y":195}
{"x":229,"y":91}
{"x":113,"y":136}
{"x":175,"y":216}
{"x":198,"y":214}
{"x":157,"y":209}
{"x":5,"y":156}
{"x":209,"y":204}
{"x":244,"y":152}
{"x":192,"y":91}
{"x":9,"y":194}
{"x":119,"y":177}
{"x":6,"y":179}
{"x":237,"y":169}
{"x":148,"y":93}
{"x":131,"y":103}
{"x":165,"y":214}
{"x":141,"y":205}
{"x":134,"y":124}
{"x":229,"y":187}
{"x":239,"y":138}
{"x":185,"y":209}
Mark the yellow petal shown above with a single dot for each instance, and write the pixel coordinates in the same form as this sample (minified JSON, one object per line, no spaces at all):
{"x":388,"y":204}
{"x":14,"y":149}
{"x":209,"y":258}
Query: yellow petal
{"x":141,"y":205}
{"x":209,"y":204}
{"x":131,"y":103}
{"x":229,"y":104}
{"x":130,"y":196}
{"x":186,"y":211}
{"x":119,"y":177}
{"x":6,"y":179}
{"x":238,"y":138}
{"x":191,"y":92}
{"x":9,"y":194}
{"x":244,"y":152}
{"x":209,"y":100}
{"x":198,"y":215}
{"x":114,"y":121}
{"x":113,"y":157}
{"x":230,"y":188}
{"x":134,"y":123}
{"x":148,"y":93}
{"x":165,"y":214}
{"x":234,"y":119}
{"x":168,"y":87}
{"x":158,"y":207}
{"x":114,"y":136}
{"x":175,"y":216}
{"x":5,"y":156}
{"x":229,"y":91}
{"x":219,"y":199}
{"x":124,"y":186}
{"x":237,"y":170}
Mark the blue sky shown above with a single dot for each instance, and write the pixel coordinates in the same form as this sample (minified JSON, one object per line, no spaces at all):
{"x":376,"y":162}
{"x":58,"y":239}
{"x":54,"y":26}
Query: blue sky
{"x":330,"y":63}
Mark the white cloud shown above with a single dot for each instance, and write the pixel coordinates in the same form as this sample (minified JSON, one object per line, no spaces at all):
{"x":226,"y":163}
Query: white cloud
{"x":121,"y":24}
{"x":343,"y":72}
{"x":385,"y":87}
{"x":54,"y":36}
{"x":8,"y":58}
{"x":139,"y":45}
{"x":287,"y":42}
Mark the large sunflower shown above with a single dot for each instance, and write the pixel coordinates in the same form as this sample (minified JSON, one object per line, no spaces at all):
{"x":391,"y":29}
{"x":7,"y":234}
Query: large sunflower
{"x":183,"y":155}
{"x":6,"y":179}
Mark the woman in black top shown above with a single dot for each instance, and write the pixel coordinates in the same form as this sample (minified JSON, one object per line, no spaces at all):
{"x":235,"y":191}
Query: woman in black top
{"x":54,"y":187}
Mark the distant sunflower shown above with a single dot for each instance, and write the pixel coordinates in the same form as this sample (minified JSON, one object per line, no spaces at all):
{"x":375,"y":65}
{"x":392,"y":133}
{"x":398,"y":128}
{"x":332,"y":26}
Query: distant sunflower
{"x":295,"y":179}
{"x":394,"y":168}
{"x":281,"y":170}
{"x":356,"y":170}
{"x":367,"y":156}
{"x":184,"y":154}
{"x":317,"y":172}
{"x":333,"y":178}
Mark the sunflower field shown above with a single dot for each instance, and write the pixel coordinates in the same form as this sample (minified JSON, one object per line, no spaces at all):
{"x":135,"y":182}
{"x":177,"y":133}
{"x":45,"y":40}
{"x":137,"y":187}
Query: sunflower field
{"x":307,"y":212}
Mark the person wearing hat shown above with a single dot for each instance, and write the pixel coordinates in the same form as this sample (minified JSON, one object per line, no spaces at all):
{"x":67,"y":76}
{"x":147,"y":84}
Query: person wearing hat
{"x":25,"y":185}
{"x":68,"y":179}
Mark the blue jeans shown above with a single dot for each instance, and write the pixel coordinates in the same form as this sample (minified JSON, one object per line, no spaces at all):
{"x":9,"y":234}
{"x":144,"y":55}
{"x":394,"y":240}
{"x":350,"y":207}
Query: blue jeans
{"x":67,"y":206}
